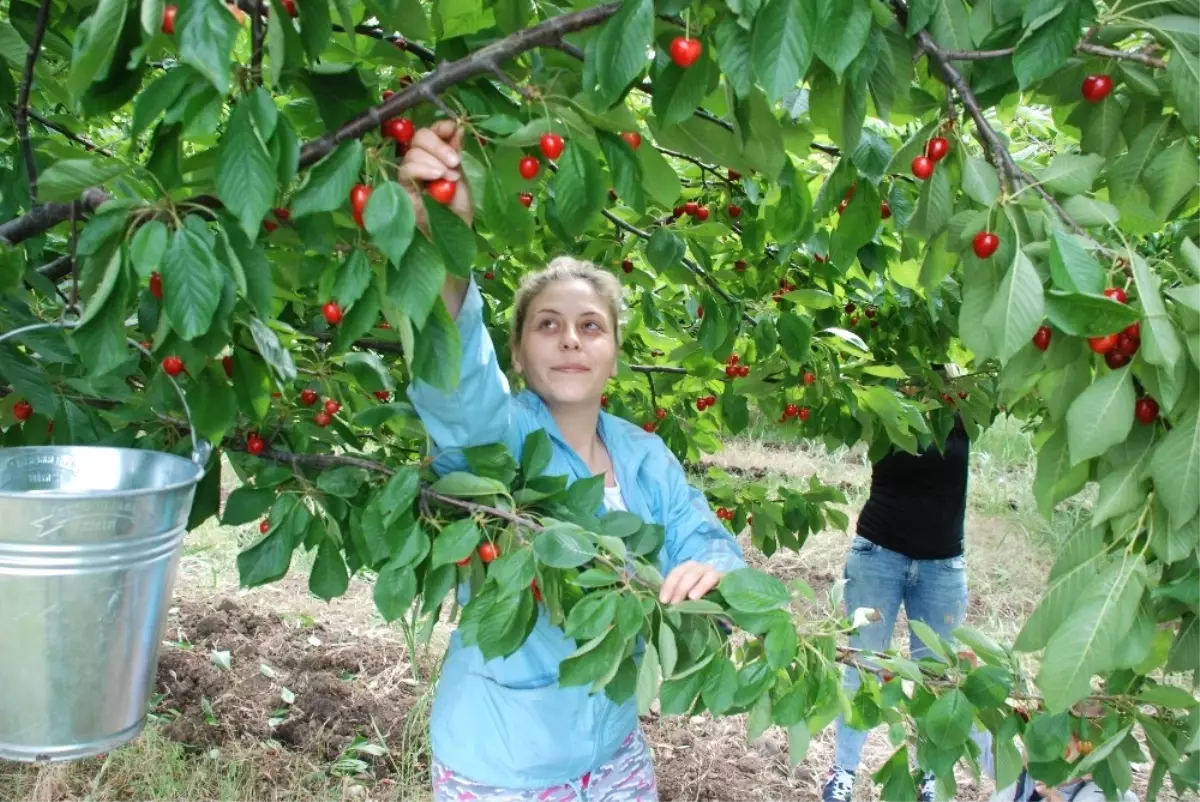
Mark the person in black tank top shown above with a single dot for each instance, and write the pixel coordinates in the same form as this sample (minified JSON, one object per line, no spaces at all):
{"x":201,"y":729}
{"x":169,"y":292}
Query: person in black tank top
{"x":908,"y":550}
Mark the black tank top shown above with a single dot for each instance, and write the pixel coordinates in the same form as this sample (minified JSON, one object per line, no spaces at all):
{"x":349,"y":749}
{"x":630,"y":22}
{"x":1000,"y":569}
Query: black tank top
{"x":918,"y":503}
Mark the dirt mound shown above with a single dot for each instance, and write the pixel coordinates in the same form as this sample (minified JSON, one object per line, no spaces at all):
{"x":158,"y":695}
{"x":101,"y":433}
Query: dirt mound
{"x":232,"y":675}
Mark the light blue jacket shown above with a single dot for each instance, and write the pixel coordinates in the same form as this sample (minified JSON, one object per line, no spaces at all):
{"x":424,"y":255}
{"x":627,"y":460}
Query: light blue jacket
{"x":507,"y":722}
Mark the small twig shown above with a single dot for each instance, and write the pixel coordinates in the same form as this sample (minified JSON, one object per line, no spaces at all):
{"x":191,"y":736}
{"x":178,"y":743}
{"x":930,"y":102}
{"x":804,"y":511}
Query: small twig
{"x":69,"y":134}
{"x":1082,"y":47}
{"x":74,"y":304}
{"x":258,"y":33}
{"x":653,"y":392}
{"x":721,"y":175}
{"x":21,"y":117}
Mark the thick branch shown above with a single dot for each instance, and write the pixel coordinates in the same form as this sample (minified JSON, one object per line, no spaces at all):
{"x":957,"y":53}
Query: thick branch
{"x":483,"y":61}
{"x":44,"y":217}
{"x":21,"y":117}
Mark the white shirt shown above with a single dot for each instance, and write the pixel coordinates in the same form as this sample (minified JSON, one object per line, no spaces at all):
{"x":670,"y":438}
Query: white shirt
{"x":613,"y":499}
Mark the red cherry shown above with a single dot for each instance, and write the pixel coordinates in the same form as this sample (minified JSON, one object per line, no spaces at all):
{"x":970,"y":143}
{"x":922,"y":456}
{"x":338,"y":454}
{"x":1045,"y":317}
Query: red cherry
{"x":612,"y":194}
{"x":442,"y":190}
{"x":733,"y":359}
{"x":168,"y":20}
{"x":537,"y":593}
{"x":488,"y":552}
{"x":791,"y":411}
{"x":156,"y":285}
{"x":528,"y":167}
{"x":922,"y":167}
{"x":604,"y":401}
{"x":985,"y":244}
{"x":1146,"y":409}
{"x":1041,"y":338}
{"x":627,"y":265}
{"x":712,"y":400}
{"x":1116,"y":358}
{"x":1117,"y":294}
{"x":22,"y":410}
{"x":660,"y":413}
{"x":464,"y":562}
{"x":332,"y":407}
{"x":809,"y":377}
{"x":734,"y":175}
{"x":841,"y":207}
{"x":359,"y":195}
{"x":885,"y":211}
{"x":804,"y":413}
{"x":255,"y":444}
{"x":691,"y":207}
{"x":633,"y":138}
{"x":332,"y":311}
{"x":227,"y":364}
{"x":702,"y":213}
{"x":685,"y":51}
{"x":322,"y":418}
{"x":702,"y":403}
{"x":308,"y":397}
{"x":1102,"y":345}
{"x":551,"y":145}
{"x":648,"y":426}
{"x":264,"y":526}
{"x":963,"y":394}
{"x":937,"y":148}
{"x":740,"y":265}
{"x":489,"y":275}
{"x":1096,"y":87}
{"x":1134,"y":329}
{"x":173,"y":365}
{"x":382,"y":395}
{"x":290,"y":7}
{"x":849,"y":308}
{"x":526,"y":199}
{"x":735,"y":210}
{"x":282,"y":214}
{"x":819,"y":258}
{"x":387,"y":93}
{"x":678,"y":212}
{"x":854,"y":320}
{"x":400,"y":129}
{"x":731,"y":371}
{"x":700,"y":311}
{"x":870,"y":311}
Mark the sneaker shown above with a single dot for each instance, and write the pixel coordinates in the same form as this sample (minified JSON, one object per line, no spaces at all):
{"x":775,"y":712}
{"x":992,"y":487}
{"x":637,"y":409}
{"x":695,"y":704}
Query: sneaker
{"x":927,"y":788}
{"x":839,"y":785}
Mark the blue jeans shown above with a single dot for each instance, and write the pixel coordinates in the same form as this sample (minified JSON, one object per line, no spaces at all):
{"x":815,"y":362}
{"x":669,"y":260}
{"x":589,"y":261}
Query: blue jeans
{"x":932,"y":591}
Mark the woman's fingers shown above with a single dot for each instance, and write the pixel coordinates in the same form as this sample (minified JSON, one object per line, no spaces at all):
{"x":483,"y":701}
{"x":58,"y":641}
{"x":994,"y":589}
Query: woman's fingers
{"x":428,"y":139}
{"x":421,"y":165}
{"x":689,"y":580}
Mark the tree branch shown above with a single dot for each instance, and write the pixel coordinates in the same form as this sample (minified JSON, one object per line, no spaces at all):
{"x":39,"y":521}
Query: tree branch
{"x":21,"y":116}
{"x":1082,"y":47}
{"x":258,"y":33}
{"x":68,"y":133}
{"x":44,"y":217}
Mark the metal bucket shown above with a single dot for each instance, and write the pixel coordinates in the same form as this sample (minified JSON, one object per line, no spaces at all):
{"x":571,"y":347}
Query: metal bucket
{"x":90,"y":539}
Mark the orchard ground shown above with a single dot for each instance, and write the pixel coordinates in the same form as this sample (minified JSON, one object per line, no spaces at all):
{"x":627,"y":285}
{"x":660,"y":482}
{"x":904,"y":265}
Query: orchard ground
{"x":273,"y":694}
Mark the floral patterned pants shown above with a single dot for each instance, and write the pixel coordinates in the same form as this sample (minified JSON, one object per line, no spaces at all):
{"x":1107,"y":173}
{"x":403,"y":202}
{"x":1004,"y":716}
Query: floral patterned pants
{"x":627,"y":777}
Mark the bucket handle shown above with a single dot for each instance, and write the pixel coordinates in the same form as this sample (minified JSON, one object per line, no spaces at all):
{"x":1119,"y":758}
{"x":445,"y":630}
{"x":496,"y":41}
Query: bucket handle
{"x":201,"y":448}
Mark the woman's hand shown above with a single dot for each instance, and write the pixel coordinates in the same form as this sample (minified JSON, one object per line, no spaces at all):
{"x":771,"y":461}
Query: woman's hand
{"x":433,"y":154}
{"x":689,"y":580}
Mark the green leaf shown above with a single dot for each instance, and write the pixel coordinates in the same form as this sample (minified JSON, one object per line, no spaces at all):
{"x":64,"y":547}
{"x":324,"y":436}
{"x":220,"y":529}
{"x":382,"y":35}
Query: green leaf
{"x":397,"y":495}
{"x":1160,"y":342}
{"x":354,"y":276}
{"x":935,"y":206}
{"x":273,"y":352}
{"x":395,"y":589}
{"x":988,"y":686}
{"x":437,"y":353}
{"x":1047,"y":45}
{"x":266,"y":561}
{"x":844,"y":26}
{"x":593,"y":661}
{"x":193,"y":282}
{"x":147,"y":248}
{"x":461,"y":484}
{"x":1057,"y":477}
{"x":798,"y":742}
{"x":563,"y":546}
{"x":329,"y":578}
{"x":390,"y":219}
{"x":514,"y":571}
{"x":920,"y":12}
{"x":213,"y":405}
{"x":1071,"y":173}
{"x":579,"y":191}
{"x":245,"y":170}
{"x":619,"y":51}
{"x":315,"y":27}
{"x":664,"y":250}
{"x":648,"y":679}
{"x":1183,"y":76}
{"x":752,"y":591}
{"x":734,"y":54}
{"x":245,"y":504}
{"x":505,"y":215}
{"x":454,"y":240}
{"x":660,"y":181}
{"x":330,"y":180}
{"x":455,"y":542}
{"x":1076,"y":568}
{"x":1175,"y":470}
{"x":591,"y":616}
{"x":1083,"y":315}
{"x":1101,"y":416}
{"x":1072,"y":268}
{"x":66,"y":179}
{"x":625,"y":169}
{"x":416,"y":284}
{"x":1090,"y":640}
{"x":1122,"y":490}
{"x":342,"y":481}
{"x":1047,"y":736}
{"x":948,"y":722}
{"x":206,"y":34}
{"x":95,"y":45}
{"x":782,"y":45}
{"x":980,"y":181}
{"x":536,"y":454}
{"x":678,"y":91}
{"x":1017,"y":310}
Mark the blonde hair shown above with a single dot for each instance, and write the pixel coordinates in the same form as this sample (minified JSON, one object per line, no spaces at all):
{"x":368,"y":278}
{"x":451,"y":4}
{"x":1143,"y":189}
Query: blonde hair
{"x":566,"y":268}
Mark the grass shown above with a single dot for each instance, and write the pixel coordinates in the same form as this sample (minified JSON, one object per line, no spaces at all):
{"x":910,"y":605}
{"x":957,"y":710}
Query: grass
{"x":1010,"y":549}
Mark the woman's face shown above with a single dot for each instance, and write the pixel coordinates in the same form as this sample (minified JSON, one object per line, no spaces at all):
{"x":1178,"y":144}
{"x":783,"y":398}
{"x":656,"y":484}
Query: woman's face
{"x":568,"y":348}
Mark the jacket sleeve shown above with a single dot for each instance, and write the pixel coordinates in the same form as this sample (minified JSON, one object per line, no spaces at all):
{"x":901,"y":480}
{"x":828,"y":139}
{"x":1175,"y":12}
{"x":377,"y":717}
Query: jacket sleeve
{"x":693,"y":531}
{"x":477,"y":411}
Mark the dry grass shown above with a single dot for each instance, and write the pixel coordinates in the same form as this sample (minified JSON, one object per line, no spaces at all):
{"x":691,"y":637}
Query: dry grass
{"x":1010,"y":548}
